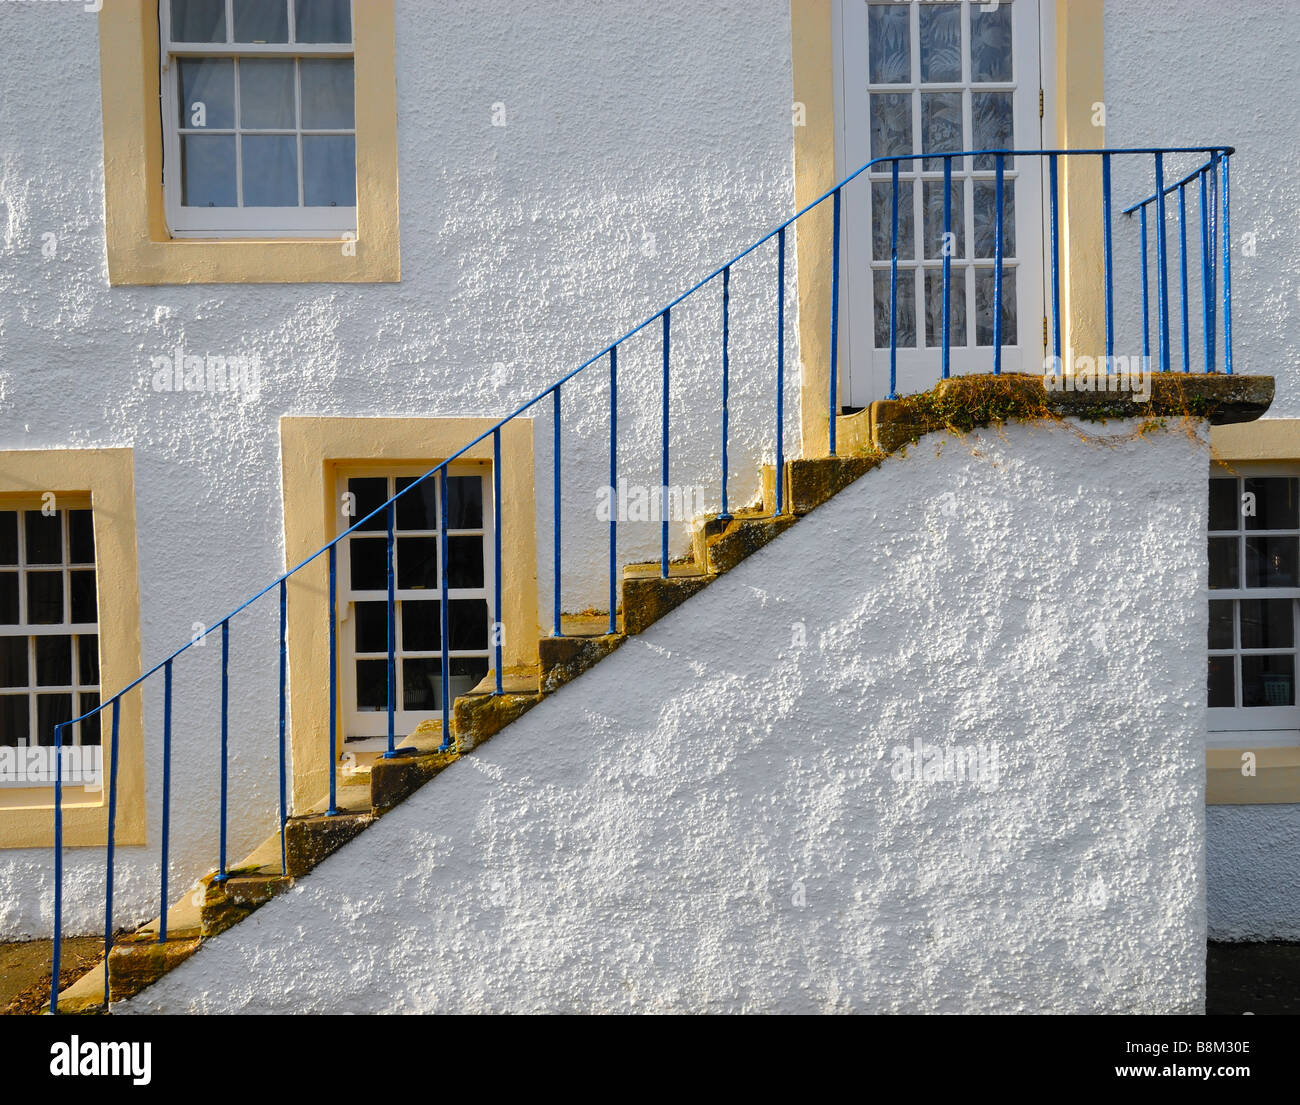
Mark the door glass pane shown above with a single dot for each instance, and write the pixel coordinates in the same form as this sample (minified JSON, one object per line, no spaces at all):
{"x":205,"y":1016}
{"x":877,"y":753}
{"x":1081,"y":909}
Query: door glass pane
{"x":323,"y":20}
{"x":942,"y":129}
{"x":266,"y":99}
{"x":261,"y":21}
{"x":882,"y":220}
{"x":940,"y":43}
{"x":1271,"y":562}
{"x":198,"y":20}
{"x":1268,"y":680}
{"x":1221,"y":624}
{"x":993,"y":126}
{"x":208,"y":170}
{"x":990,"y":48}
{"x":1266,"y":623}
{"x":986,"y":218}
{"x":1223,"y":505}
{"x":984,"y":299}
{"x":1224,"y":569}
{"x":891,"y":127}
{"x":889,"y":39}
{"x":906,"y":308}
{"x":1275,"y":503}
{"x":270,"y":170}
{"x":934,"y":308}
{"x":1221,"y":686}
{"x":329,"y":165}
{"x":207,"y":93}
{"x":932,"y":208}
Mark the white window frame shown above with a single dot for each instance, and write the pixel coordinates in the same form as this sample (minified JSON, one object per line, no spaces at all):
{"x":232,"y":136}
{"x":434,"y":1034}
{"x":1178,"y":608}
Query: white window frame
{"x":1248,"y":726}
{"x":362,"y":728}
{"x":65,"y":628}
{"x":242,"y":222}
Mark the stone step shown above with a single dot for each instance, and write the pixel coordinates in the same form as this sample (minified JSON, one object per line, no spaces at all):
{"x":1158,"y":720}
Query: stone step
{"x":647,"y":596}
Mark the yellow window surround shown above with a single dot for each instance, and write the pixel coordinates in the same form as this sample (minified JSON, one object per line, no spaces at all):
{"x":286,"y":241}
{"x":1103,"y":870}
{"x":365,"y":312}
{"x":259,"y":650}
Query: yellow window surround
{"x":140,"y":249}
{"x":313,"y":450}
{"x":103,"y":479}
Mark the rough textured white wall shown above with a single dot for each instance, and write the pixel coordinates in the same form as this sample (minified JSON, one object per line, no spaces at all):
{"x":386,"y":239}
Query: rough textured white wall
{"x":711,"y":819}
{"x":1192,"y":72}
{"x":1200,"y":72}
{"x":1252,"y":872}
{"x":642,"y":146}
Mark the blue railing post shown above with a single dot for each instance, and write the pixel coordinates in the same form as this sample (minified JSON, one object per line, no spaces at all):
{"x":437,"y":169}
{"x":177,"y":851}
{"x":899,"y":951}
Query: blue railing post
{"x":1053,"y":176}
{"x":1207,"y":296}
{"x":1000,"y":162}
{"x":780,"y":371}
{"x":1162,"y":265}
{"x":1227,"y":272}
{"x":893,"y":286}
{"x":442,"y":605}
{"x":284,"y":675}
{"x":332,"y":745}
{"x":835,"y":320}
{"x":498,"y":630}
{"x":221,"y":875}
{"x":112,"y":842}
{"x":663,"y":464}
{"x":390,"y":668}
{"x":1146,"y":291}
{"x":1109,"y":261}
{"x":726,"y":384}
{"x":166,"y":801}
{"x":613,"y":489}
{"x":57,"y":946}
{"x":946,"y":252}
{"x":557,"y":627}
{"x":1182,"y":239}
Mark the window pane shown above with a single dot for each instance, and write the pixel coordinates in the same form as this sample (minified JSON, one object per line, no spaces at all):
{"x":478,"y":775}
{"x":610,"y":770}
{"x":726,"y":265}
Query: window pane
{"x":369,"y":493}
{"x":984,"y":306}
{"x":88,"y":660}
{"x":44,"y":537}
{"x":417,"y":563}
{"x":990,"y":43}
{"x":207,"y":93}
{"x":418,"y":509}
{"x":1268,"y":680}
{"x":198,"y":20}
{"x":14,"y":720}
{"x":465,"y":502}
{"x":261,"y":21}
{"x":372,"y":684}
{"x":327,"y":94}
{"x":90,"y":727}
{"x":941,"y":43}
{"x":13,"y":661}
{"x":81,"y":537}
{"x":1224,"y":505}
{"x":891,"y":127}
{"x":270,"y":170}
{"x":421,"y":626}
{"x":371,"y":627}
{"x":941,"y":129}
{"x":208,"y":170}
{"x":882,"y":221}
{"x":986,"y":218}
{"x":1275,"y":503}
{"x":993,"y":127}
{"x":466,"y":673}
{"x":932,"y":213}
{"x":52,"y":710}
{"x":469,"y":624}
{"x":1222,"y":691}
{"x":906,"y":308}
{"x":8,"y":598}
{"x":44,"y":598}
{"x":1267,"y":623}
{"x":53,"y":661}
{"x":956,"y":309}
{"x":1221,"y":624}
{"x":81,"y":595}
{"x":329,"y":171}
{"x":266,"y":93}
{"x":323,"y":20}
{"x":369,"y":564}
{"x":465,"y":562}
{"x":889,"y":36}
{"x":1271,"y":562}
{"x":422,"y":684}
{"x":1224,"y":569}
{"x":8,"y":537}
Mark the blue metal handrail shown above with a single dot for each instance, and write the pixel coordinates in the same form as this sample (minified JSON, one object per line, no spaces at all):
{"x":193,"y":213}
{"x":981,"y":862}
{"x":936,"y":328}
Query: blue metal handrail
{"x":1208,"y":177}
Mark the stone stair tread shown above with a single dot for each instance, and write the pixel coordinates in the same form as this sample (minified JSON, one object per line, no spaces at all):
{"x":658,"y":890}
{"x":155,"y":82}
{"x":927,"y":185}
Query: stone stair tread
{"x":593,"y":624}
{"x":677,"y":569}
{"x":524,"y":681}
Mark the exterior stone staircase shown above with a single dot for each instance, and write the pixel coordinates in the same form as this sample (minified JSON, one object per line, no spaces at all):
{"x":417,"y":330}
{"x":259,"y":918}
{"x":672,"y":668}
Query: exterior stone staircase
{"x":370,"y":785}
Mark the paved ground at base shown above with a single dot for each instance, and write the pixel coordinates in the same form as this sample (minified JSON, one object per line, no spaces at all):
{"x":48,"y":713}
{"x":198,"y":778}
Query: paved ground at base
{"x":1252,"y":978}
{"x":25,"y":970}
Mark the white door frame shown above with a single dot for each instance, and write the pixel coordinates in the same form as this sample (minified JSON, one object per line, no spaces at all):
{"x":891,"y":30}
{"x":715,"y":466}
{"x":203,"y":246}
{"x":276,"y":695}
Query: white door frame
{"x":865,"y":369}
